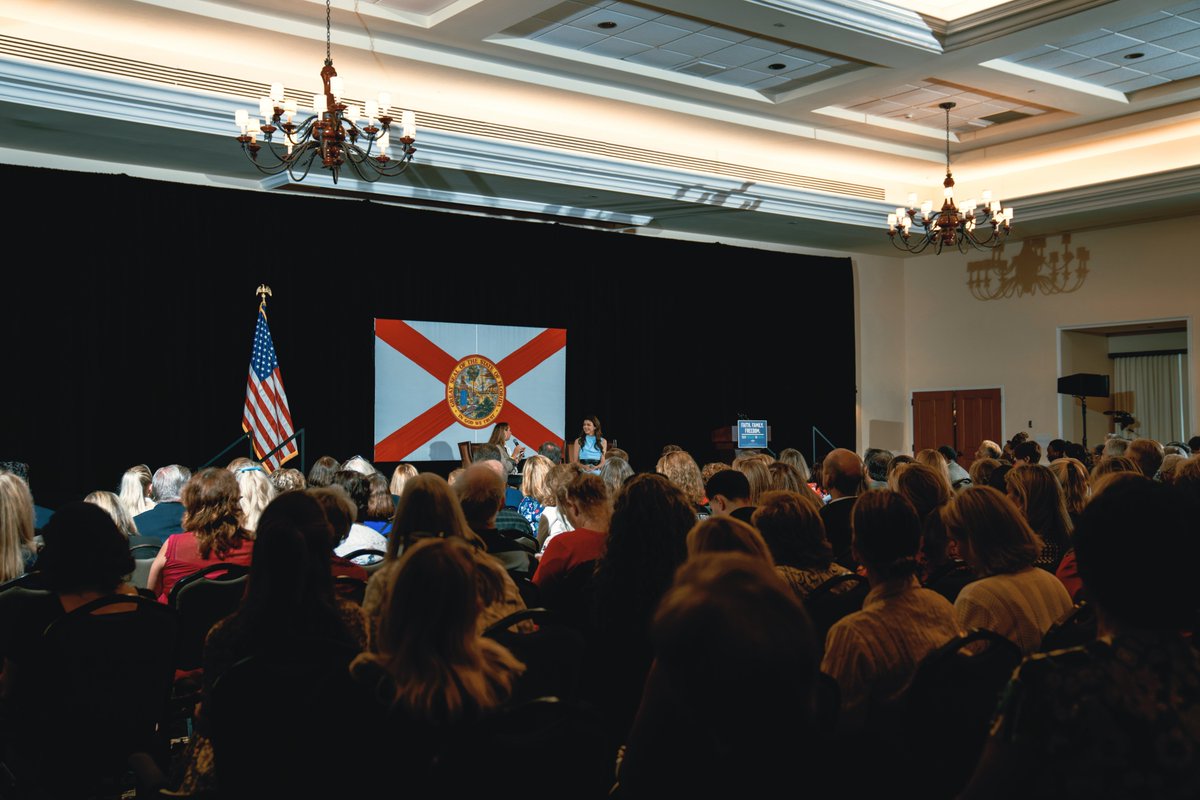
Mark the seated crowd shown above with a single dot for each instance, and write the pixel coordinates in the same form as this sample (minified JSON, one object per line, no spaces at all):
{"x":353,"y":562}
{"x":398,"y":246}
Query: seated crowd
{"x":1014,"y":624}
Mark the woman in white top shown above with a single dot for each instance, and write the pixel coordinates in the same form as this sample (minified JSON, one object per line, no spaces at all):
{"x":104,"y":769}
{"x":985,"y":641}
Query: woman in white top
{"x":1012,"y":598}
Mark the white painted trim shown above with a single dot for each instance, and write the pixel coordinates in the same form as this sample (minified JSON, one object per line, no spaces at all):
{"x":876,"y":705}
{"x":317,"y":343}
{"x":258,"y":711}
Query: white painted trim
{"x":1054,"y":79}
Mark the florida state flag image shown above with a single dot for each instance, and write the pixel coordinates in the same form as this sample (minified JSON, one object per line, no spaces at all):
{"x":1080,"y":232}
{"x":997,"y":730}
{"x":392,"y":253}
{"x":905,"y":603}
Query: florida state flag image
{"x":441,"y":383}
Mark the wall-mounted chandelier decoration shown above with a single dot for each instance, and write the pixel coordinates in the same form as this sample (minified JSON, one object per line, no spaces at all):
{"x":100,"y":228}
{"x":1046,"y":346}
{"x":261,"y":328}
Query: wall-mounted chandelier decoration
{"x":1030,"y":272}
{"x":979,"y":224}
{"x":337,"y":134}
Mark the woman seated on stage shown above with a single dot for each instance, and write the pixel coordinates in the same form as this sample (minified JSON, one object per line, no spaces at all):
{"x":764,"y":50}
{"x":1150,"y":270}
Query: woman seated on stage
{"x":591,"y":443}
{"x":501,"y":435}
{"x":215,"y":531}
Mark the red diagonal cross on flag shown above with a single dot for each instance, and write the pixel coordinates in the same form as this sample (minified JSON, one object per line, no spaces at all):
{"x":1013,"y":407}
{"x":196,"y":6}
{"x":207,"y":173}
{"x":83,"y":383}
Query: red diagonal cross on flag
{"x":529,"y":353}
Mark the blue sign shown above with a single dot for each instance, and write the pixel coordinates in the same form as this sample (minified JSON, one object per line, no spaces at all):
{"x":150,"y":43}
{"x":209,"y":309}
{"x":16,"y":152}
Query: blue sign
{"x":752,"y":434}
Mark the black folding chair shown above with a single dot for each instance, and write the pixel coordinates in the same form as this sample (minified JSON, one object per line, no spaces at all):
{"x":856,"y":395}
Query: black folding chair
{"x":203,"y":599}
{"x":1077,"y":627}
{"x":837,"y":597}
{"x":95,"y":693}
{"x":551,"y":650}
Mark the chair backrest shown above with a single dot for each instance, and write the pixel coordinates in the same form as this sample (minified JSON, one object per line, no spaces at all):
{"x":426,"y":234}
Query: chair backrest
{"x":551,"y":650}
{"x":96,"y":692}
{"x":837,"y":597}
{"x":144,"y":551}
{"x":572,"y":452}
{"x":950,"y":702}
{"x":203,"y":599}
{"x":141,"y":572}
{"x":30,"y":580}
{"x":374,"y":557}
{"x":1077,"y":627}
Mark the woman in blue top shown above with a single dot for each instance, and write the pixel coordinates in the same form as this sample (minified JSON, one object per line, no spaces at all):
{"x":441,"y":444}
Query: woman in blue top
{"x":592,"y":444}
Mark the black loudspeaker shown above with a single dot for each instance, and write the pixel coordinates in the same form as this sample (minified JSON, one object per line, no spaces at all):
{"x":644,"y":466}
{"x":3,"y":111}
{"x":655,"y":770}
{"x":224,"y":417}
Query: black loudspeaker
{"x":1084,"y":384}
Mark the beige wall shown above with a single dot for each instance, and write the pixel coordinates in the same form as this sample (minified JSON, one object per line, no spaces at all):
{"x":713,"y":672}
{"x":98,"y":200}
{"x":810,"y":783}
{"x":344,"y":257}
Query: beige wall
{"x":1085,"y":352}
{"x":933,"y":333}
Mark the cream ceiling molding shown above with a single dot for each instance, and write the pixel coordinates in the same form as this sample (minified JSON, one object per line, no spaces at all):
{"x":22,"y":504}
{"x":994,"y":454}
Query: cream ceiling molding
{"x":870,"y":17}
{"x":1044,"y":76}
{"x":886,"y":122}
{"x":1178,"y":184}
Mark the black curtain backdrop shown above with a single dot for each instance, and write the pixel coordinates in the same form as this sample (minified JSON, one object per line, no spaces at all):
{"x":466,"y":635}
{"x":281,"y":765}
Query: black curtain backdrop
{"x":129,"y":309}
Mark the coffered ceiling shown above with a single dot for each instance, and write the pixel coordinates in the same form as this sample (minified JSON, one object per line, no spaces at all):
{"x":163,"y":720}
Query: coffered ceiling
{"x":791,"y":121}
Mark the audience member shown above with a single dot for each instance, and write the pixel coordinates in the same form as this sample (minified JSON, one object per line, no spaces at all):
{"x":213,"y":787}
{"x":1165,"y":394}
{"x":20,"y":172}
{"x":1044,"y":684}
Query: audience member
{"x":256,"y":492}
{"x":587,"y":506}
{"x":729,"y":494}
{"x":981,"y":471}
{"x":727,"y":535}
{"x":757,"y":472}
{"x":357,"y":487}
{"x":1013,"y":597}
{"x":876,"y":462}
{"x":135,"y":490}
{"x":1037,"y":493}
{"x":843,"y":477}
{"x":795,"y":458}
{"x":288,"y":480}
{"x":17,"y":549}
{"x":166,"y":517}
{"x":480,"y":492}
{"x":959,"y":477}
{"x":358,"y":464}
{"x":535,"y":495}
{"x":791,"y":526}
{"x":322,"y":471}
{"x":614,"y":473}
{"x":786,"y":478}
{"x":215,"y":532}
{"x":553,"y":522}
{"x":989,"y":449}
{"x":941,"y":570}
{"x":381,"y":504}
{"x":1115,"y":445}
{"x":551,"y":451}
{"x":113,"y":506}
{"x":734,"y":656}
{"x":1119,"y":716}
{"x":1147,"y":456}
{"x":681,"y":469}
{"x":874,"y":653}
{"x":400,"y":475}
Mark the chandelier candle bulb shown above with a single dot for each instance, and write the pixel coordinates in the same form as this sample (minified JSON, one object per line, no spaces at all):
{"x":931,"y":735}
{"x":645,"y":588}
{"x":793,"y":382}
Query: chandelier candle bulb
{"x":912,"y":200}
{"x":385,"y":102}
{"x":277,"y":92}
{"x":318,"y":104}
{"x":265,"y":109}
{"x":1008,"y":215}
{"x":408,"y":122}
{"x":336,"y":86}
{"x":240,"y":118}
{"x":970,"y":205}
{"x":927,"y":208}
{"x":371,"y":110}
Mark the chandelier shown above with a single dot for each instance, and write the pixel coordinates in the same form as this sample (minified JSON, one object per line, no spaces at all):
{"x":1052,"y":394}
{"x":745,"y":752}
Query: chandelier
{"x":338,"y":134}
{"x":980,"y":224}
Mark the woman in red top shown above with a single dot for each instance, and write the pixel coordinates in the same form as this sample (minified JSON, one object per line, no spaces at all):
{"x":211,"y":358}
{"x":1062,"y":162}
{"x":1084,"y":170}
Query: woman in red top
{"x":215,"y":534}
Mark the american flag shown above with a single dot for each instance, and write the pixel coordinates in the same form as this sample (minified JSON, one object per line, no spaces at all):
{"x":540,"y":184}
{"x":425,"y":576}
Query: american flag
{"x":267,"y":418}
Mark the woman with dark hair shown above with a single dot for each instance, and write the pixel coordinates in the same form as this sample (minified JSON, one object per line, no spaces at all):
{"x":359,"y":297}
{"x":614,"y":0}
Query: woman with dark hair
{"x":647,"y":541}
{"x":728,"y":705}
{"x":592,"y":444}
{"x":85,"y":557}
{"x":874,"y":653}
{"x":380,"y":505}
{"x":289,"y":599}
{"x":322,"y":471}
{"x":429,"y":509}
{"x":1013,"y":597}
{"x":357,"y":486}
{"x":501,"y":434}
{"x":792,"y":528}
{"x":1119,"y":716}
{"x":431,"y":665}
{"x":214,"y":531}
{"x":926,"y":489}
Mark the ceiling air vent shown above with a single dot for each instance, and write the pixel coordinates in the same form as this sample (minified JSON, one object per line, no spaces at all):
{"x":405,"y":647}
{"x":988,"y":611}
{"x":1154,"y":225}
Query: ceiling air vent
{"x":701,"y":69}
{"x":1004,"y":116}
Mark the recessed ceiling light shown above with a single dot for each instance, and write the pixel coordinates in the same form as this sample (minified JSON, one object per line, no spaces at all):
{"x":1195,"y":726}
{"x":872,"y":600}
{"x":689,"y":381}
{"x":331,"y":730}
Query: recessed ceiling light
{"x":1132,"y":56}
{"x":776,"y":66}
{"x":606,"y":24}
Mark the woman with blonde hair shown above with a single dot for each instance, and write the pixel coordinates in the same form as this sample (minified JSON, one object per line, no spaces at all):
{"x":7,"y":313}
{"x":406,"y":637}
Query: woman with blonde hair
{"x":1013,"y":597}
{"x":552,"y":521}
{"x":17,"y":548}
{"x":214,"y":531}
{"x":1038,"y":494}
{"x":795,"y":458}
{"x":256,"y":492}
{"x":401,"y":475}
{"x":431,"y":664}
{"x":535,"y":495}
{"x":682,"y":471}
{"x":756,"y":471}
{"x":135,"y":490}
{"x":932,"y":458}
{"x":115,"y":509}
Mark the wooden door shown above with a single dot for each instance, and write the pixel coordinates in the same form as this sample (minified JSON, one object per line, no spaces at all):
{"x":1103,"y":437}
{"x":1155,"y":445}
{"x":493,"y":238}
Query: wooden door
{"x":977,"y":417}
{"x":961,"y":418}
{"x":933,"y":420}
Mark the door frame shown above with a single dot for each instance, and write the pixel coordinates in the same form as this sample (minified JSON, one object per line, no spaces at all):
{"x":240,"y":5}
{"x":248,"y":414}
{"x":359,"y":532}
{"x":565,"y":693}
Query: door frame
{"x":1186,"y":319}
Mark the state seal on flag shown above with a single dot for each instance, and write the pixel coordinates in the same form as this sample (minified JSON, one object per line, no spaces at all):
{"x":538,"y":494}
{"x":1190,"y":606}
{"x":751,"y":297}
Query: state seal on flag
{"x":475,"y":391}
